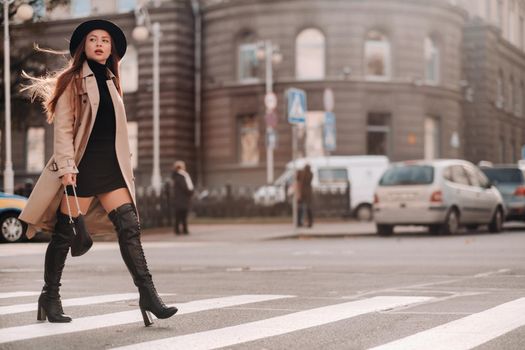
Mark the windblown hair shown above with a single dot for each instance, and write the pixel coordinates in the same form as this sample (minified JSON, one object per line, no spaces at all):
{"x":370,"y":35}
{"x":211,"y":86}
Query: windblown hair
{"x":49,"y":88}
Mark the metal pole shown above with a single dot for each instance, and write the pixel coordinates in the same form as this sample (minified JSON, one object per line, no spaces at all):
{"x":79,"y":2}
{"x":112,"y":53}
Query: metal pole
{"x":8,"y":172}
{"x":155,"y":178}
{"x":269,"y":83}
{"x":294,"y":152}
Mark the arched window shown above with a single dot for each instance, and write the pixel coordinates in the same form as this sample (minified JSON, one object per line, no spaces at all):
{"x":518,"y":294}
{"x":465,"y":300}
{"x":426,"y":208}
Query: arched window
{"x":310,"y":54}
{"x":129,"y":70}
{"x":248,"y":64}
{"x":431,"y":61}
{"x":500,"y":90}
{"x":377,"y":56}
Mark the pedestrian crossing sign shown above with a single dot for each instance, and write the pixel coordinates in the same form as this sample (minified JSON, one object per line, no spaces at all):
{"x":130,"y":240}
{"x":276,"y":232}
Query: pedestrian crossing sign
{"x":296,"y":106}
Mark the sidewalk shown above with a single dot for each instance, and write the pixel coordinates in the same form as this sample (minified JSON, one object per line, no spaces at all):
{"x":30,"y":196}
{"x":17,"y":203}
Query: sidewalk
{"x":235,"y":232}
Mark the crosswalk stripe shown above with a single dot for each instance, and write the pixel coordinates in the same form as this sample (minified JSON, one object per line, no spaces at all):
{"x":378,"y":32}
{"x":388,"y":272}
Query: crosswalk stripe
{"x":18,"y":294}
{"x":14,"y":309}
{"x":125,"y":317}
{"x":228,"y":336}
{"x":467,"y":332}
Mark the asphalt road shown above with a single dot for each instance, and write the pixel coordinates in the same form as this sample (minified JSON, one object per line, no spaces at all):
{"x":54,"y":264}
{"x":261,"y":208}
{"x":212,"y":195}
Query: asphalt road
{"x":360,"y":291}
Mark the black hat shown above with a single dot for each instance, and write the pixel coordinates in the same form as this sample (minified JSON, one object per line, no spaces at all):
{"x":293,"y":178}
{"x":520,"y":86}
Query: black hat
{"x":119,"y":39}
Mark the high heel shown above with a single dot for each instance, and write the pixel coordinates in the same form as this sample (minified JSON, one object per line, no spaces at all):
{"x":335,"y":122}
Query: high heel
{"x":50,"y":307}
{"x":41,"y":315}
{"x":146,"y":316}
{"x":49,"y":304}
{"x":127,"y":225}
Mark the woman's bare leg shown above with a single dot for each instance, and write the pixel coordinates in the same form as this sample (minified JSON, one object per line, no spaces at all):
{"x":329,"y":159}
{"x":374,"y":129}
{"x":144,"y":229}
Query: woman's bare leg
{"x":84,"y":203}
{"x":114,"y":199}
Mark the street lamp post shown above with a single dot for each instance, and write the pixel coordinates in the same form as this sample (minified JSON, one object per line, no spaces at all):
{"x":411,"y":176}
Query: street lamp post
{"x":271,"y":54}
{"x":23,"y":13}
{"x":141,"y":33}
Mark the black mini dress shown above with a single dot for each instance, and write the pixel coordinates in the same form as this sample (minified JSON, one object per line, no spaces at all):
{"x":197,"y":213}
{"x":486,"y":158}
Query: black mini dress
{"x":99,"y":170}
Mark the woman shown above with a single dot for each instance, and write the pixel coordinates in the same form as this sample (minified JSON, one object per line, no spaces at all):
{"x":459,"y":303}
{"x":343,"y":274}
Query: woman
{"x":182,"y":192}
{"x":91,"y":152}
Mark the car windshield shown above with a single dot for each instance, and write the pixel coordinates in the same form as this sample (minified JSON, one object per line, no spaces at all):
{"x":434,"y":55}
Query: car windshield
{"x":285,"y":178}
{"x":508,"y":175}
{"x":408,"y":175}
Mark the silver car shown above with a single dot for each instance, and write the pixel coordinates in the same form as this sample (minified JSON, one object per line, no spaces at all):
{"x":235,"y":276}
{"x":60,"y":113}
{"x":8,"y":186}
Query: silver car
{"x":442,"y":194}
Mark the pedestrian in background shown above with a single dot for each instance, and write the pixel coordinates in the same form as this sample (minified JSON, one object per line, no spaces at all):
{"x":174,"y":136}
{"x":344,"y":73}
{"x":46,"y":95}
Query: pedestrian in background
{"x":91,"y":152}
{"x":304,"y":195}
{"x":182,"y":193}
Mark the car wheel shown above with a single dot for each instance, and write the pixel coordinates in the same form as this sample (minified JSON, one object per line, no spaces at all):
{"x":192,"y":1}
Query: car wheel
{"x":385,"y":230}
{"x":451,"y":225}
{"x":11,"y":229}
{"x":364,"y":213}
{"x":496,"y":225}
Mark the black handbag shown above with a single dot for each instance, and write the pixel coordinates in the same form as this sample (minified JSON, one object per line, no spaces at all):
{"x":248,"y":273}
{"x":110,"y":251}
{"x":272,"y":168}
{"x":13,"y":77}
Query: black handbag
{"x":81,"y":241}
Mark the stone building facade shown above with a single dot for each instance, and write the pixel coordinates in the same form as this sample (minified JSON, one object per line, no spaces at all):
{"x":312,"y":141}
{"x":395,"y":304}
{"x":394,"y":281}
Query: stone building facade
{"x":411,"y":79}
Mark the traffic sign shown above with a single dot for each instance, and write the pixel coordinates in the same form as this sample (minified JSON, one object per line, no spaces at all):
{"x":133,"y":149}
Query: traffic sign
{"x":271,"y":138}
{"x":296,"y":106}
{"x":328,"y":100}
{"x":270,"y":101}
{"x":329,"y":133}
{"x":271,"y":119}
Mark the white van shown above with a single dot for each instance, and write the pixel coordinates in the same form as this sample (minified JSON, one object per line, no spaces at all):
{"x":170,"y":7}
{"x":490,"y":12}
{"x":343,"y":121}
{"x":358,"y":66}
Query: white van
{"x":363,"y":173}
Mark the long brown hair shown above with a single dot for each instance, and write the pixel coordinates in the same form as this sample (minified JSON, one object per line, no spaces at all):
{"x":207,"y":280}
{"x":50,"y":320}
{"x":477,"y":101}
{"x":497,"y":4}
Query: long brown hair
{"x":49,"y":88}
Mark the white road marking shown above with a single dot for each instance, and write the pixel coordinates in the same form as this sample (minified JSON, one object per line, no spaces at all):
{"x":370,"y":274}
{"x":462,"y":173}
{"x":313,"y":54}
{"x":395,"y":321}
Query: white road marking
{"x":99,"y":299}
{"x":467,"y":332}
{"x":229,"y":336}
{"x":19,"y":249}
{"x":17,"y":294}
{"x":125,"y":317}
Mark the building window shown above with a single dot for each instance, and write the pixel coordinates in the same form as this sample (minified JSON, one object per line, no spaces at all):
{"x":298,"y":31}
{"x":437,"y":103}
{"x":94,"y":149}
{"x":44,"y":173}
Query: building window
{"x":431,"y":61}
{"x":510,"y":105}
{"x":248,"y":64}
{"x":314,"y":133}
{"x":133,"y":136}
{"x":126,"y":6}
{"x":35,"y":155}
{"x":80,"y":8}
{"x":500,"y":90}
{"x":129,"y":70}
{"x":248,"y":136}
{"x":432,"y":138}
{"x":377,"y":56}
{"x":378,"y":130}
{"x":310,"y":55}
{"x":511,"y":22}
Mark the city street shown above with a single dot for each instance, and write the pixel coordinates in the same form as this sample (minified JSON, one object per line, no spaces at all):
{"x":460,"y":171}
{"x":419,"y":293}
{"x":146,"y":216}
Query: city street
{"x":264,"y":286}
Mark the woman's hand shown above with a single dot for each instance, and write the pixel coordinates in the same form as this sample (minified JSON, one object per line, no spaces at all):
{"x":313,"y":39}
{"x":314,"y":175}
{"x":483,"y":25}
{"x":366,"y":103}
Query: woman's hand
{"x":69,"y":179}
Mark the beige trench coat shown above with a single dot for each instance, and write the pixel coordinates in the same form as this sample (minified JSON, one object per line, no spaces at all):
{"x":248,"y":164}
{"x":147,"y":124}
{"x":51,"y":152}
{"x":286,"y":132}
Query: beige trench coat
{"x":71,"y":134}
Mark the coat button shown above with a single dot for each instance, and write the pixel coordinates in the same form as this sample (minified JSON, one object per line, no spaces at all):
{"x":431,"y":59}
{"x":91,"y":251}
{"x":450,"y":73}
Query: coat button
{"x":84,"y":101}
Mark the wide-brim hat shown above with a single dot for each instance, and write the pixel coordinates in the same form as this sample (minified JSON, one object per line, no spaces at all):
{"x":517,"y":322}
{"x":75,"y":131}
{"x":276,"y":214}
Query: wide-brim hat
{"x":119,"y":39}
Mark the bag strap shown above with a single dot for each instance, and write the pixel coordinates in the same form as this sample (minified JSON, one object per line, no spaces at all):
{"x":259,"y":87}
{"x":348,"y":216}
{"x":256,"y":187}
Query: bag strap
{"x":67,"y":202}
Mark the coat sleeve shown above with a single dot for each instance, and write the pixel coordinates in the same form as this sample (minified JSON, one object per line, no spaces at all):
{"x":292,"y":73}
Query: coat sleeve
{"x":64,"y":149}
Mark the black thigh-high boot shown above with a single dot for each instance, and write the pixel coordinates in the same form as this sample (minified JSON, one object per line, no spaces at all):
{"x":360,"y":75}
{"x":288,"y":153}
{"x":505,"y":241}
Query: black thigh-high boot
{"x":127,"y":225}
{"x":49,"y":304}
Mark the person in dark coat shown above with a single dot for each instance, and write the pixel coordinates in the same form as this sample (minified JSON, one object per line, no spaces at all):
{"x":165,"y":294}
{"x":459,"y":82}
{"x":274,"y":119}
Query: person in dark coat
{"x":304,"y":195}
{"x":182,"y":193}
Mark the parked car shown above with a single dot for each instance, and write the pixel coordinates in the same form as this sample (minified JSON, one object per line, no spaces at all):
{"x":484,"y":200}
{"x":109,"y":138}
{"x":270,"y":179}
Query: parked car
{"x":11,"y":229}
{"x":510,"y":181}
{"x":441,"y":194}
{"x":361,"y":172}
